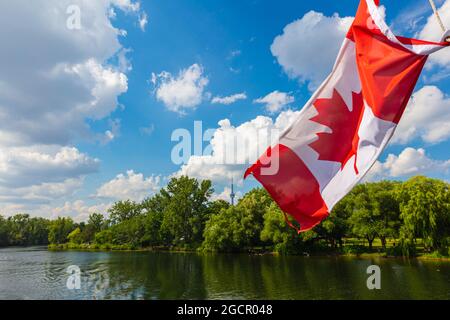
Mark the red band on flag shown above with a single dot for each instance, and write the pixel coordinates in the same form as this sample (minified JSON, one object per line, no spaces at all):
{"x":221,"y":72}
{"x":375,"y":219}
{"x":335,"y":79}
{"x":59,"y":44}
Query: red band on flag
{"x":388,"y":72}
{"x":293,"y":186}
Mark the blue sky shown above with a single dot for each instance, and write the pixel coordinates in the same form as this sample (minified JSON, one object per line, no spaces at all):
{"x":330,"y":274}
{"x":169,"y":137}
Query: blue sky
{"x":227,"y":46}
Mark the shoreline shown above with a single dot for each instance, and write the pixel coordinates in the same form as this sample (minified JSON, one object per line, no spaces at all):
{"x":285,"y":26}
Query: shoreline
{"x":252,"y":252}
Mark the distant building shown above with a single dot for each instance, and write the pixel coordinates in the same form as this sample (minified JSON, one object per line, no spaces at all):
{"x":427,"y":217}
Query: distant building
{"x":232,"y":194}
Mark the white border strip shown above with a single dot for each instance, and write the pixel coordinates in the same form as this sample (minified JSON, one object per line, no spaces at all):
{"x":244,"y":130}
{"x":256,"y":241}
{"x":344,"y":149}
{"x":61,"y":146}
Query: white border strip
{"x":424,"y":49}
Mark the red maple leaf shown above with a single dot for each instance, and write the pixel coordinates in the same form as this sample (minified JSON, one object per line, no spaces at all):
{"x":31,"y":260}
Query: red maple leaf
{"x":342,"y":142}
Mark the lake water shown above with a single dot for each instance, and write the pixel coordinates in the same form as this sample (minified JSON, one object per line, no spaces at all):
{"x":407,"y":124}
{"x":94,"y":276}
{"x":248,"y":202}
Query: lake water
{"x":35,"y":273}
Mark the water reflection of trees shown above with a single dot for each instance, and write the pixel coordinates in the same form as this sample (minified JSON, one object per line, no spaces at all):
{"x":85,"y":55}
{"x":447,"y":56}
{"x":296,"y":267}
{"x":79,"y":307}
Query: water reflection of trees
{"x":192,"y":276}
{"x":268,"y":277}
{"x":156,"y":276}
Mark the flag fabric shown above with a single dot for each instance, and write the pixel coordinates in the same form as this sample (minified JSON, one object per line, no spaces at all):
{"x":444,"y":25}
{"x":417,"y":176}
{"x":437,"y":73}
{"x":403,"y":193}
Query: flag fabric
{"x":343,"y":128}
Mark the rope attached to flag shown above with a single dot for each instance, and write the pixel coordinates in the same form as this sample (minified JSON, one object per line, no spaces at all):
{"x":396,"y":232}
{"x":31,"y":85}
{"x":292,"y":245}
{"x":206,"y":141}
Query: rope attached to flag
{"x":436,"y":13}
{"x":438,"y":17}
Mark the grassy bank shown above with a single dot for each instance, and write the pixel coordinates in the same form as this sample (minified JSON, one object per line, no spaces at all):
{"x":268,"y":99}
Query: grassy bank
{"x":351,"y":248}
{"x":113,"y":247}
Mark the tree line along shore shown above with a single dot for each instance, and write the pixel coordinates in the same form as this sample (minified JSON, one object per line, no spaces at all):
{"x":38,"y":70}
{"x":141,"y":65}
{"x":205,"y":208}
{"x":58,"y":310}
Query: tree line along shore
{"x":388,"y":218}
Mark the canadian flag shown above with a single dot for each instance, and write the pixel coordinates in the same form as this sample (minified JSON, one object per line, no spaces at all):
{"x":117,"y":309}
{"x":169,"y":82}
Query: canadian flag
{"x":343,"y":128}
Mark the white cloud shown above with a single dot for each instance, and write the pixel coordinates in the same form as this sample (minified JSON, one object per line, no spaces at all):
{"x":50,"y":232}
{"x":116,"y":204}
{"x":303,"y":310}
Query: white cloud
{"x":233,"y":149}
{"x":143,"y":21}
{"x":234,"y":70}
{"x":39,"y":194}
{"x":185,"y":91}
{"x":126,"y":5}
{"x":34,"y":176}
{"x":426,"y":117}
{"x":408,"y":163}
{"x":55,"y":82}
{"x":410,"y":19}
{"x":37,"y":199}
{"x":29,"y":166}
{"x":123,"y":63}
{"x":432,"y":31}
{"x":275,"y":101}
{"x":147,"y":130}
{"x":112,"y":133}
{"x":229,"y":99}
{"x":130,"y":186}
{"x":63,"y":70}
{"x":234,"y":54}
{"x":308,"y":47}
{"x":79,"y":210}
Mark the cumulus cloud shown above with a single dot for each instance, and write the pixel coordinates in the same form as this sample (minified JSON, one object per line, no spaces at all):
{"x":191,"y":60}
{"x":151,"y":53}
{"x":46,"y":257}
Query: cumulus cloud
{"x":426,"y":117}
{"x":27,"y":166}
{"x":234,"y":54}
{"x":112,"y":133}
{"x":275,"y":101}
{"x":55,"y":78}
{"x":37,"y":175}
{"x":233,"y":149}
{"x":130,"y":186}
{"x":79,"y":210}
{"x":181,"y":92}
{"x":148,"y":131}
{"x":39,"y":194}
{"x":308,"y":47}
{"x":432,"y":31}
{"x":143,"y":21}
{"x":56,"y":81}
{"x":229,"y":99}
{"x":408,"y":163}
{"x":411,"y":19}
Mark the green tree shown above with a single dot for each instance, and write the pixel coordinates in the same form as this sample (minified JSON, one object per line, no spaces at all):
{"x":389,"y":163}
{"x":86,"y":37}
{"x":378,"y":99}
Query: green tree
{"x":254,"y":205}
{"x":19,"y":229}
{"x":387,"y":209}
{"x":104,"y":237}
{"x":186,"y":212}
{"x":276,"y":232}
{"x":129,"y":232}
{"x":75,"y":236}
{"x":38,"y":231}
{"x":124,"y":210}
{"x":363,"y":220}
{"x":217,"y":206}
{"x":95,"y":224}
{"x":96,"y":221}
{"x":238,"y":227}
{"x":156,"y":203}
{"x":225,"y":231}
{"x":154,"y":208}
{"x":59,"y":230}
{"x":336,"y":226}
{"x":364,"y":225}
{"x":152,"y":228}
{"x":425,"y":211}
{"x":374,"y":211}
{"x":4,"y":240}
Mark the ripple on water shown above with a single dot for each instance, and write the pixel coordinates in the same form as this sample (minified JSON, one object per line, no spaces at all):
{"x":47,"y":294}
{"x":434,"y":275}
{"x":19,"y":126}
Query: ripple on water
{"x":39,"y":274}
